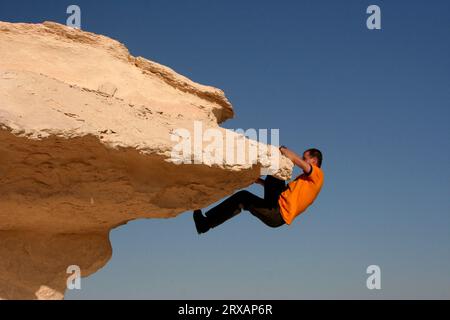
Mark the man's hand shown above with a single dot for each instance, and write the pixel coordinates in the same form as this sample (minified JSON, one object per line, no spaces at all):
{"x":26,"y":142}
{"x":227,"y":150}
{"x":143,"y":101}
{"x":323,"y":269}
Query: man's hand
{"x":282,"y":149}
{"x":296,"y":159}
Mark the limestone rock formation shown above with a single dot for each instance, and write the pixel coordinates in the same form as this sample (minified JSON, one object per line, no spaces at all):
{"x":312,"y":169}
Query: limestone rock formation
{"x":87,"y":144}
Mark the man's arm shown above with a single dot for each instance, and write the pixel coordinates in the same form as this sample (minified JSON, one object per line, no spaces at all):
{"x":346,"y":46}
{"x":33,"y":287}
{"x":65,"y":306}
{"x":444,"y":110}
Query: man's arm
{"x":296,"y":159}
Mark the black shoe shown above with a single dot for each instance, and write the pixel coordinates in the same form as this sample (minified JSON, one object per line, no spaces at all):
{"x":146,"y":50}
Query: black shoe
{"x":201,"y":224}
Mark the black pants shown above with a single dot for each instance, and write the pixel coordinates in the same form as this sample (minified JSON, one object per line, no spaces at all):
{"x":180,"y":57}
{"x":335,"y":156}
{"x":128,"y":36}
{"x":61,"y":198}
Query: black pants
{"x":266,"y":210}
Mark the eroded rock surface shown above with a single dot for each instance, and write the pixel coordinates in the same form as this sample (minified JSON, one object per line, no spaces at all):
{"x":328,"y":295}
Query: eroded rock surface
{"x":86,"y":145}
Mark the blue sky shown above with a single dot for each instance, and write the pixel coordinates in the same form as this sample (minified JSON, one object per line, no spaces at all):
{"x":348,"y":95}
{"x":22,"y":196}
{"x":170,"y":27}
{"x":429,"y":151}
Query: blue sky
{"x":376,"y":102}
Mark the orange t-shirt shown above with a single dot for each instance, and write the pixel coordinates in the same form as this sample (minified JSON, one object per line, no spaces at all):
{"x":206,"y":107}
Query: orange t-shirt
{"x":300,"y":194}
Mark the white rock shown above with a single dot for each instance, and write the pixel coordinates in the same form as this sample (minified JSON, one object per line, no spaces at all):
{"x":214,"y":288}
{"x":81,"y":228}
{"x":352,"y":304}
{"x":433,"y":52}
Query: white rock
{"x":82,"y":119}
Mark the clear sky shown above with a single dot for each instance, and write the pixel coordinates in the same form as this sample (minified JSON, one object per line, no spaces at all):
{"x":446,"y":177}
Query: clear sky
{"x":377,"y":102}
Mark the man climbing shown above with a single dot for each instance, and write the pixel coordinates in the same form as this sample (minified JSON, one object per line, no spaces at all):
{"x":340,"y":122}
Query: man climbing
{"x":281,"y":203}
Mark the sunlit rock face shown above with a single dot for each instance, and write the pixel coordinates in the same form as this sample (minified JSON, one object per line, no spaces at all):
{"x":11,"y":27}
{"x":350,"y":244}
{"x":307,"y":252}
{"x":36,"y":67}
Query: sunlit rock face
{"x":87,"y":140}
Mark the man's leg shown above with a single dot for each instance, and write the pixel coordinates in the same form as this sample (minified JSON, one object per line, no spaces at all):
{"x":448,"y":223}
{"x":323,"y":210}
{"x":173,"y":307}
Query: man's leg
{"x":233,"y":206}
{"x":273,"y":187}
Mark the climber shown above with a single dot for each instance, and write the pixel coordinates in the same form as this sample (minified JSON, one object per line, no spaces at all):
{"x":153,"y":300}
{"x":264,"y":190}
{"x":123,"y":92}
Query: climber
{"x":281,"y":204}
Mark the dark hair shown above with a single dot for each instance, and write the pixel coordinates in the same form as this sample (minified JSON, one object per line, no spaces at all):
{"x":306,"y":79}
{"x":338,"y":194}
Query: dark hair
{"x":316,"y":153}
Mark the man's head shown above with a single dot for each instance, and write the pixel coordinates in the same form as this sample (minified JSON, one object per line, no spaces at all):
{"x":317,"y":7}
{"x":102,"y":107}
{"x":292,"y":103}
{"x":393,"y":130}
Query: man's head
{"x":313,"y":157}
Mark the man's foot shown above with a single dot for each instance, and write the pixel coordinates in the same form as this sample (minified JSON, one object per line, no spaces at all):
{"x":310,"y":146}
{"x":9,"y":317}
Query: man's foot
{"x":201,"y":224}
